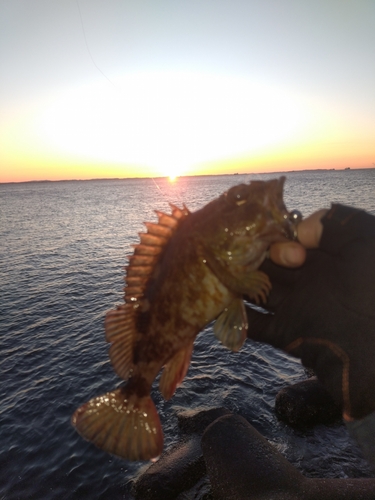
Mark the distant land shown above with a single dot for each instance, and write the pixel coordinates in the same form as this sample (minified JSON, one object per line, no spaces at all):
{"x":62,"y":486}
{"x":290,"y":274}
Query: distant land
{"x":104,"y":179}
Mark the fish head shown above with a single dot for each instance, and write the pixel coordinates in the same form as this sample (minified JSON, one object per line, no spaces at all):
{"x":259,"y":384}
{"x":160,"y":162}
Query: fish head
{"x":245,"y":220}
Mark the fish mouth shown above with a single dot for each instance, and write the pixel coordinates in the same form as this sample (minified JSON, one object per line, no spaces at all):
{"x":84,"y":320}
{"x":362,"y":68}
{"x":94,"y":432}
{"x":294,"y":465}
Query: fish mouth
{"x":289,"y":229}
{"x":294,"y":217}
{"x":282,"y":230}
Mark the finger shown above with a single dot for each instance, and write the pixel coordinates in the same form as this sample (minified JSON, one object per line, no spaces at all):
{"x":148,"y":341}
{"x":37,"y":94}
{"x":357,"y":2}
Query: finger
{"x":309,"y":230}
{"x":293,"y":254}
{"x":290,"y":254}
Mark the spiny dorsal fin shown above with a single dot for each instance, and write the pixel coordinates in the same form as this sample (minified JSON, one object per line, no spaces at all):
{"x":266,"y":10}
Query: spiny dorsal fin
{"x":158,"y":230}
{"x":186,"y":210}
{"x":147,"y":252}
{"x":141,"y":260}
{"x":152,"y":240}
{"x":177,"y":213}
{"x":120,"y":324}
{"x":133,"y":270}
{"x":167,"y":220}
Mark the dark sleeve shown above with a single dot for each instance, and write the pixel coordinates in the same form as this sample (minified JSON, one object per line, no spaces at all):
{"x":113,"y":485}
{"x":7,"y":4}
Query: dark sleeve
{"x":344,"y":224}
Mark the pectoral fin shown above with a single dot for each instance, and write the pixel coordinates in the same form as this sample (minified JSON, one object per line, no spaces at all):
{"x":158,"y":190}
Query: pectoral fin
{"x":256,"y":285}
{"x":231,"y":326}
{"x":175,"y":371}
{"x":241,"y":279}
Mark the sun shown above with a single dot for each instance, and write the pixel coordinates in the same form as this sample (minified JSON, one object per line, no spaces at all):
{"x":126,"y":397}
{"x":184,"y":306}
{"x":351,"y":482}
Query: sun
{"x":172,"y":172}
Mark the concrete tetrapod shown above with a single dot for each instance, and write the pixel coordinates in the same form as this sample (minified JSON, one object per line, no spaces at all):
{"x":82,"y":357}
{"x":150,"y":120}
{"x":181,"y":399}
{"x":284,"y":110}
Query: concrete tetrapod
{"x":242,"y":465}
{"x":181,"y":466}
{"x":306,"y":404}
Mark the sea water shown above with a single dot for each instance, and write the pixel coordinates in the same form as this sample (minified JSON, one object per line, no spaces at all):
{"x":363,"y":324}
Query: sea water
{"x":63,"y":246}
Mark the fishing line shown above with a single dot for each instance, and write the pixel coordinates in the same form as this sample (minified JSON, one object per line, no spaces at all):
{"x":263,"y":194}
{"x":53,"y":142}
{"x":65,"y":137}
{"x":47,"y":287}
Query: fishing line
{"x":110,"y":81}
{"x":159,"y":188}
{"x":88,"y":48}
{"x":166,"y":196}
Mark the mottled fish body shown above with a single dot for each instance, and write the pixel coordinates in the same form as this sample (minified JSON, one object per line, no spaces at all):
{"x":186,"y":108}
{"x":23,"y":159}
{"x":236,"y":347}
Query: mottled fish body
{"x":188,"y":270}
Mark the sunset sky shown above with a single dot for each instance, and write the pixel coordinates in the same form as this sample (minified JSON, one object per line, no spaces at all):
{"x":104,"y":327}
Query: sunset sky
{"x":133,"y":88}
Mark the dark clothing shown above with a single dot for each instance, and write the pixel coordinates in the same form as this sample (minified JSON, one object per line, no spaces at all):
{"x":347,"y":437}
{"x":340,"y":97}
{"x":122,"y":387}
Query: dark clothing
{"x":324,"y":312}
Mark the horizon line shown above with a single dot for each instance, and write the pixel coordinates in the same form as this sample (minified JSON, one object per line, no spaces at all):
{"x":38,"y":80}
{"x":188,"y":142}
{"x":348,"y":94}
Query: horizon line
{"x":185,"y":176}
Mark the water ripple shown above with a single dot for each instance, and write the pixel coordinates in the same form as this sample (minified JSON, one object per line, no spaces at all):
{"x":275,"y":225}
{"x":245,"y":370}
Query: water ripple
{"x":63,"y":248}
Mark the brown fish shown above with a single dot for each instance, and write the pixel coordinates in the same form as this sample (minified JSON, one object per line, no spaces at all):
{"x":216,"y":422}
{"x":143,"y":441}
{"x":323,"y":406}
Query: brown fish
{"x":187,"y":270}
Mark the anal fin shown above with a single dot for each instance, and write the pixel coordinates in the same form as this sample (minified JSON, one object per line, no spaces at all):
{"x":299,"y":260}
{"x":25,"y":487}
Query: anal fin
{"x":126,"y":426}
{"x":175,"y":371}
{"x":231,"y":326}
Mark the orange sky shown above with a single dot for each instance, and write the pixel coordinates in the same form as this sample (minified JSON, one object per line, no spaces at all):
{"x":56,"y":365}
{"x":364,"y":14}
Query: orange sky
{"x":255,"y":89}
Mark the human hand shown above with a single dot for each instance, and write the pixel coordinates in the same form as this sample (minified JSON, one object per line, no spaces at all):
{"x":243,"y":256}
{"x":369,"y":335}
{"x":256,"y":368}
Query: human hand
{"x":293,"y":253}
{"x":324,"y":309}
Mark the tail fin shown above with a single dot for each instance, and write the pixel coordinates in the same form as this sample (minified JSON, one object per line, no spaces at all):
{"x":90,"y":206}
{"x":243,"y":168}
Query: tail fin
{"x":125,"y":425}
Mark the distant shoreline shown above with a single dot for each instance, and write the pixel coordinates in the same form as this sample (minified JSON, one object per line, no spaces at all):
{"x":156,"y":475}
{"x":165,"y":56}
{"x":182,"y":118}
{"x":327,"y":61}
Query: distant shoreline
{"x":104,"y":179}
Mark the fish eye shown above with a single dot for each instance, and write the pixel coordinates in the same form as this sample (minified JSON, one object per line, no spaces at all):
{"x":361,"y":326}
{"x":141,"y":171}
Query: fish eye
{"x":238,"y":194}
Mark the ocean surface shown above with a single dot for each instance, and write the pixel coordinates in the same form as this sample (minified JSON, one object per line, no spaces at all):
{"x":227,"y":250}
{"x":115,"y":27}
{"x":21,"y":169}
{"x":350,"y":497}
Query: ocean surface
{"x":63,"y":246}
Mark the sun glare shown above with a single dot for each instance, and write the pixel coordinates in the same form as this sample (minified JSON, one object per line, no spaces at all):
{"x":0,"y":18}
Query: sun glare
{"x":171,"y":172}
{"x":169,"y":121}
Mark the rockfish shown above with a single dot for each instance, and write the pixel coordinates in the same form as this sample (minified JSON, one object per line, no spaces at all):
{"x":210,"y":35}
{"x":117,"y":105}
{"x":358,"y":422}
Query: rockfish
{"x":189,"y":269}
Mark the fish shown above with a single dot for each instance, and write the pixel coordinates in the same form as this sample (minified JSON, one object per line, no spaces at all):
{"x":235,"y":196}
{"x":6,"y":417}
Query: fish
{"x":189,"y":269}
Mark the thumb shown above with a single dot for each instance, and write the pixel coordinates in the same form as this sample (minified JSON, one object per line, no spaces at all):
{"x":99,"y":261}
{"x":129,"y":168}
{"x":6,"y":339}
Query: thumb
{"x":292,"y":253}
{"x":310,"y":230}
